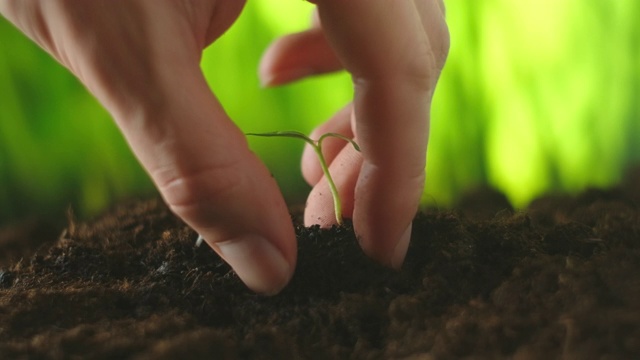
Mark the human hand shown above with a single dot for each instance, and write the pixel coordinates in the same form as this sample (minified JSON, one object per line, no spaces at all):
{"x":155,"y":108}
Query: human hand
{"x":395,"y":51}
{"x":140,"y":58}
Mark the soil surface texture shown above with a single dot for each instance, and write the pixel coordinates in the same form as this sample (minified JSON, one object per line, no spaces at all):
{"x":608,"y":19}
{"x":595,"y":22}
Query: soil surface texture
{"x":560,"y":279}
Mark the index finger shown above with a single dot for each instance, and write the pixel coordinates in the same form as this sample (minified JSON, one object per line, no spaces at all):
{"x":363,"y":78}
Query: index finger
{"x":394,"y":51}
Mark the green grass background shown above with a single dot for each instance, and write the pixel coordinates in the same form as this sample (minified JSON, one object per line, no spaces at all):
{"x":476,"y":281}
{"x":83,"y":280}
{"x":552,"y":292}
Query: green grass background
{"x":537,"y":95}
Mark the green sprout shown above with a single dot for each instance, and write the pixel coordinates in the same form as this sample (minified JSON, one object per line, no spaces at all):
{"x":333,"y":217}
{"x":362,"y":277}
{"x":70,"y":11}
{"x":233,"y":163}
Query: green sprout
{"x":317,"y":147}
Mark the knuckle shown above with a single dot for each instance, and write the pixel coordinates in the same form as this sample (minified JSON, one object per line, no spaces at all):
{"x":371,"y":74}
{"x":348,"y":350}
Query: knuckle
{"x":423,"y":68}
{"x":419,"y":68}
{"x":186,"y":192}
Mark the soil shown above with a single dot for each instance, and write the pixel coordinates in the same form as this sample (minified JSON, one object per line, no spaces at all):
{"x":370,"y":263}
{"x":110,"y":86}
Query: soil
{"x":560,"y":279}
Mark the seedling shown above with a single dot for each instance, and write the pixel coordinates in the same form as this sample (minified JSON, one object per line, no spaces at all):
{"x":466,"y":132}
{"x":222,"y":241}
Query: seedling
{"x":317,"y":148}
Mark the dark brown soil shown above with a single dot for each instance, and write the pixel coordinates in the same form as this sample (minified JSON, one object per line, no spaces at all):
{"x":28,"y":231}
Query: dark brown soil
{"x":559,"y":280}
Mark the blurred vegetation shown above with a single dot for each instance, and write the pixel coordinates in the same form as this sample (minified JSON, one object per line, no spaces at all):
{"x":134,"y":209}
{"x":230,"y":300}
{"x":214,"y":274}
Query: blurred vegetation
{"x":537,"y":95}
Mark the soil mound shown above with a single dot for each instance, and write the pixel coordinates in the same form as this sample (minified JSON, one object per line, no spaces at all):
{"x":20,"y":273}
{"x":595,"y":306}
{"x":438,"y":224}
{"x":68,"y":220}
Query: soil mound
{"x":560,"y":279}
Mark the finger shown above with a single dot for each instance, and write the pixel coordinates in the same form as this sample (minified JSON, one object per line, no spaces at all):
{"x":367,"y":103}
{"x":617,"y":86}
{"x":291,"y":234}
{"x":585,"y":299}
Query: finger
{"x":394,"y":70}
{"x":387,"y":41}
{"x":296,"y":56}
{"x":205,"y":172}
{"x":435,"y":28}
{"x":151,"y":83}
{"x":340,"y":123}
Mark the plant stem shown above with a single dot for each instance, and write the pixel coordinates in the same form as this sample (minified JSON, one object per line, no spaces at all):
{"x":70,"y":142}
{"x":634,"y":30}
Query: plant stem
{"x":337,"y":204}
{"x":317,"y":148}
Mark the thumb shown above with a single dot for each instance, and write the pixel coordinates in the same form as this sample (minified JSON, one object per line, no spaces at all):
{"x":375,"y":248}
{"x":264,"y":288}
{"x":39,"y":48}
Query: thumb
{"x":141,"y":60}
{"x":200,"y":162}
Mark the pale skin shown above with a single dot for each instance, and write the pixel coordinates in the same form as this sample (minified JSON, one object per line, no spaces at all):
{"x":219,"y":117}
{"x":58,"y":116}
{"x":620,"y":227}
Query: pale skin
{"x":140,"y":59}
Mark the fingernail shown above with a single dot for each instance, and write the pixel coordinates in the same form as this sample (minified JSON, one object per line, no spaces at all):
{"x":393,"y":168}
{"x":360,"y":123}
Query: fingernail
{"x":400,"y":251}
{"x":285,"y":76}
{"x":259,"y":264}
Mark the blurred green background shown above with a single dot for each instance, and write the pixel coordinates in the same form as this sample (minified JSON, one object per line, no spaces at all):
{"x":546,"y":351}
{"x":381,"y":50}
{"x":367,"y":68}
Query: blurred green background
{"x":537,"y":95}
